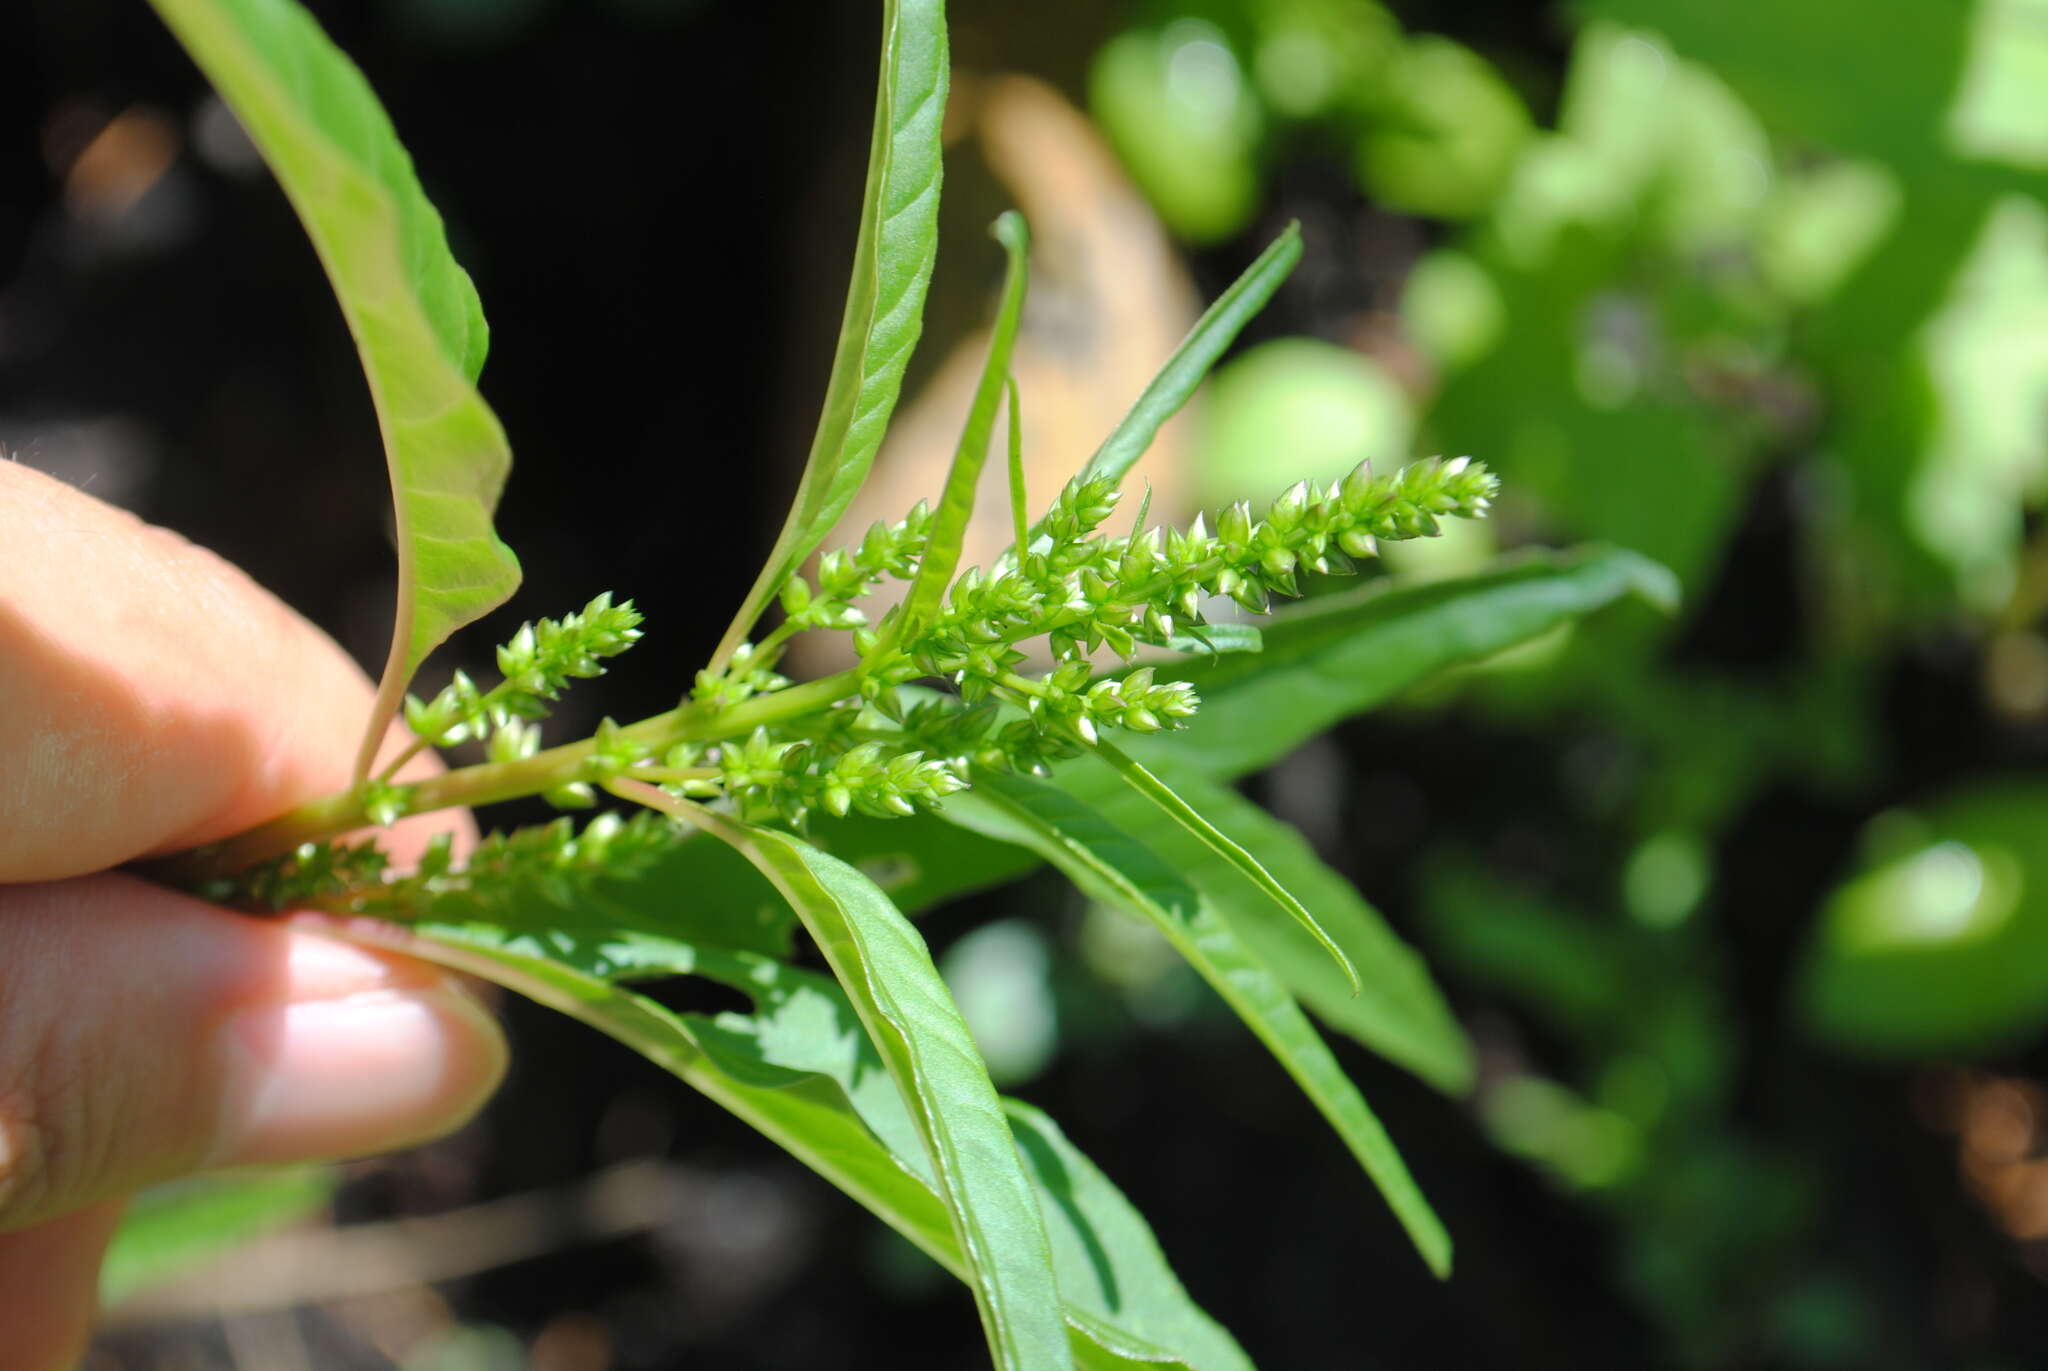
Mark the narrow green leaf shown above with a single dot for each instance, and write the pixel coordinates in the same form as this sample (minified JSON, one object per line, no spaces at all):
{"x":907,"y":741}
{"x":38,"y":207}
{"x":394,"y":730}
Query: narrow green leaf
{"x":956,"y":503}
{"x":1244,"y":863}
{"x":1333,"y":658}
{"x":810,"y":1118}
{"x":922,"y":861}
{"x":804,"y":1073}
{"x":1399,"y":1012}
{"x":413,"y":312}
{"x":1112,"y":1275}
{"x":1214,"y":640}
{"x":892,"y":265}
{"x":1020,"y":497}
{"x":171,"y":1229}
{"x":1109,"y":1262}
{"x":877,"y":955}
{"x":1211,"y":336}
{"x":1111,"y":866}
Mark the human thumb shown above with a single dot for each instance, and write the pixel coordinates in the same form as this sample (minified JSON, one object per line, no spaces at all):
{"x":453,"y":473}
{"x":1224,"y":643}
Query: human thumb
{"x":145,"y":1035}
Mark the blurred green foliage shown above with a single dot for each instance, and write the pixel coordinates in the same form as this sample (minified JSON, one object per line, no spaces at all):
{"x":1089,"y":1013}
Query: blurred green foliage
{"x":170,"y":1229}
{"x":1940,"y":946}
{"x":1762,"y":263}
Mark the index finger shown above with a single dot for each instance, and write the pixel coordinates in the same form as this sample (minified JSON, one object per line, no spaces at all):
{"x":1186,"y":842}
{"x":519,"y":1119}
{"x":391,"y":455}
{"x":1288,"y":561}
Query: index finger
{"x":152,"y":696}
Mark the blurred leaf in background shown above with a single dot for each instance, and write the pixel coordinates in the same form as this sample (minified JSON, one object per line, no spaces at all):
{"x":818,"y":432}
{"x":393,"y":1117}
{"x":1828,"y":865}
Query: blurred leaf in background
{"x":1761,"y":292}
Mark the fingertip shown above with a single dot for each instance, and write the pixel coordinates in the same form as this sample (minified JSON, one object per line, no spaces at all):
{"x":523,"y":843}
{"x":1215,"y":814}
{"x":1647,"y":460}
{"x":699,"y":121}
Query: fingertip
{"x":203,"y":1038}
{"x":343,"y":1069}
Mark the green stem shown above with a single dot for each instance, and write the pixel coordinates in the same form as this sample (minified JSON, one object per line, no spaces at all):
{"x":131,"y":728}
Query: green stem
{"x":675,"y":775}
{"x":770,"y":648}
{"x":493,"y":782}
{"x":412,"y":750}
{"x":658,"y":800}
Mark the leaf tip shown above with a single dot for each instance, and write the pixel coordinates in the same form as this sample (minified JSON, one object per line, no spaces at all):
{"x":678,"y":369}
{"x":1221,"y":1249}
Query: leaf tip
{"x":1012,"y":231}
{"x":1652,"y":582}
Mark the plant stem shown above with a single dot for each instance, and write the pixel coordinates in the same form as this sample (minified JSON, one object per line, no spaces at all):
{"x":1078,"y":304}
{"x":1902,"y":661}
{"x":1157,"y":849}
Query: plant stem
{"x":412,"y":750}
{"x":492,"y":782}
{"x":656,"y":799}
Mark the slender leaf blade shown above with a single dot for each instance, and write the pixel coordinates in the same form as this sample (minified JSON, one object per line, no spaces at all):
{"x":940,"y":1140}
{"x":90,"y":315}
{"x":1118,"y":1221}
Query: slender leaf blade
{"x":1198,"y":353}
{"x":887,"y":971}
{"x":1399,"y":1012}
{"x":1170,"y":804}
{"x":810,"y":1119}
{"x":892,"y":265}
{"x":1111,"y":866}
{"x":1020,"y":496}
{"x":803,"y":1072}
{"x":1214,"y":640}
{"x":1331,"y":659}
{"x":413,"y":312}
{"x":1112,"y":1275}
{"x":1109,"y":1262}
{"x":956,"y":503}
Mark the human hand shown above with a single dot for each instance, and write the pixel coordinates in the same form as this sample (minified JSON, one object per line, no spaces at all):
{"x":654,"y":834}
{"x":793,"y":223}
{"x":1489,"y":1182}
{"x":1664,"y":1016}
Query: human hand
{"x":153,"y":698}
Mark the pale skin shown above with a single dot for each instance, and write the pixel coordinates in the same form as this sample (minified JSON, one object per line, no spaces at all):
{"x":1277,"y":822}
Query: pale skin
{"x":152,"y":697}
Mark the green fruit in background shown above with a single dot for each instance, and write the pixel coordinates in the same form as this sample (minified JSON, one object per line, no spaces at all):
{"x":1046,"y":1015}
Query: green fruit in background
{"x":1318,"y":59}
{"x":1446,"y":136}
{"x":1176,"y":106}
{"x":1297,"y":407}
{"x":1939,"y":947}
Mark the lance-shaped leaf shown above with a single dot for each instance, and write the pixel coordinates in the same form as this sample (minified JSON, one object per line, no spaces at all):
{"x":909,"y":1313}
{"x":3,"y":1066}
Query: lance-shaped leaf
{"x":1110,"y":1265}
{"x":810,"y":1118}
{"x":1111,"y":866}
{"x":1115,"y":1281}
{"x":888,"y":974}
{"x":1398,"y":1011}
{"x":1205,"y":344}
{"x":1020,"y":495}
{"x":892,"y":265}
{"x":1333,"y":658}
{"x":414,"y":314}
{"x":956,"y":503}
{"x":1176,"y":810}
{"x":803,"y":1072}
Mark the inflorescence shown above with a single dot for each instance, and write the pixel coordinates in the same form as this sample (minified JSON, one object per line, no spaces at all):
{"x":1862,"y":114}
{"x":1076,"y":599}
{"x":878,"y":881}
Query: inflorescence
{"x":927,"y":703}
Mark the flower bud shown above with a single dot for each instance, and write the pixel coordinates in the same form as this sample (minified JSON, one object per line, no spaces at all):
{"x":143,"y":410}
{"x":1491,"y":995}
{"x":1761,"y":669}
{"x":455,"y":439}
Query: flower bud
{"x":1234,"y":525}
{"x":1287,"y":510}
{"x":1358,"y":543}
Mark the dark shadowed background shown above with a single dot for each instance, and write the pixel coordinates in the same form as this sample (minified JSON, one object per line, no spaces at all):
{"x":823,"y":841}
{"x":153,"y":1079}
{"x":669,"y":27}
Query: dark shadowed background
{"x":1763,"y":299}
